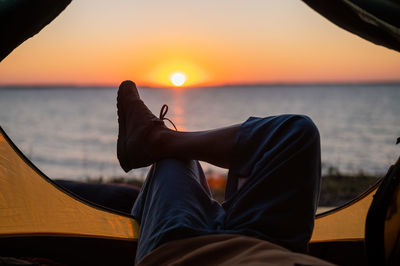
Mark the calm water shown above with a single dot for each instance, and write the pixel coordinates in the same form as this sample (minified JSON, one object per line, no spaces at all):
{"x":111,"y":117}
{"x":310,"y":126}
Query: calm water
{"x":71,"y":132}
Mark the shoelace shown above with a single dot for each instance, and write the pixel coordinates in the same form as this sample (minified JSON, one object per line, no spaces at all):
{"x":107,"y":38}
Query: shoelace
{"x":163,"y":112}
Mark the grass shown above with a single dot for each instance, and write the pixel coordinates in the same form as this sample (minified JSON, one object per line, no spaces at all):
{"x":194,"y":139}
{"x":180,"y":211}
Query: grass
{"x":338,"y":188}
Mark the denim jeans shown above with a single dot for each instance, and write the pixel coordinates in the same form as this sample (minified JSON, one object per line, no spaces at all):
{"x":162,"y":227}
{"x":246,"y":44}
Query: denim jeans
{"x":279,"y":160}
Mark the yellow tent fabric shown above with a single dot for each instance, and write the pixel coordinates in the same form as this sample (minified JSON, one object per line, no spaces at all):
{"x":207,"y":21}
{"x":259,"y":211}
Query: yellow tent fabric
{"x":346,"y":223}
{"x":32,"y":205}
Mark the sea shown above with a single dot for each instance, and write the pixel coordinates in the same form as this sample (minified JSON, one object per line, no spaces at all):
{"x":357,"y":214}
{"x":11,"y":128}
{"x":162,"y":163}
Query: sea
{"x":71,"y":132}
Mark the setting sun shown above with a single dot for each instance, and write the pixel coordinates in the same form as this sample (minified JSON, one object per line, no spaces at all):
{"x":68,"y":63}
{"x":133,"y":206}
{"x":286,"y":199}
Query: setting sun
{"x":178,"y":79}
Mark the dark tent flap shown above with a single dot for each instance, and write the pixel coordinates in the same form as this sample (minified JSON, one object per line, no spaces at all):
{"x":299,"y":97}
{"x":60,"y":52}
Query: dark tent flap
{"x":377,"y":21}
{"x":22,"y":19}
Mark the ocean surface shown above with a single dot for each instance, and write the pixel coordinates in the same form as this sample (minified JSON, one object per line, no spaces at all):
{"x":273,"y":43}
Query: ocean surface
{"x":71,"y":132}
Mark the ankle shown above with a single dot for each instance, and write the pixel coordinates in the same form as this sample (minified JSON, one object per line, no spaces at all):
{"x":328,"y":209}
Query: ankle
{"x":160,"y":142}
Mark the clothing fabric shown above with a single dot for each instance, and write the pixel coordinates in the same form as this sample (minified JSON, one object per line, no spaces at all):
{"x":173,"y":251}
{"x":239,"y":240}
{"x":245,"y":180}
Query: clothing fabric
{"x":226,"y":250}
{"x":279,"y":159}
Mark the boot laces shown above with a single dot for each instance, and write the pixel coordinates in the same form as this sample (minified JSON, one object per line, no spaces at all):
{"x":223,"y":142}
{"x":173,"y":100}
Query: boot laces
{"x":163,"y":112}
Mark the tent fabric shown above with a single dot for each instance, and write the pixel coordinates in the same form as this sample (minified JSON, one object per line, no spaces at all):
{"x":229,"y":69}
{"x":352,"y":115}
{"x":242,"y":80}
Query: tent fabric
{"x":345,"y":223}
{"x":377,"y":21}
{"x":382,"y":235}
{"x":22,"y":19}
{"x":32,"y":205}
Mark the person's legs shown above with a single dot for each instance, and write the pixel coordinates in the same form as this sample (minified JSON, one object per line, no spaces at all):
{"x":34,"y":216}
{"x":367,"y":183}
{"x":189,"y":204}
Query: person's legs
{"x":174,"y":203}
{"x":279,"y":159}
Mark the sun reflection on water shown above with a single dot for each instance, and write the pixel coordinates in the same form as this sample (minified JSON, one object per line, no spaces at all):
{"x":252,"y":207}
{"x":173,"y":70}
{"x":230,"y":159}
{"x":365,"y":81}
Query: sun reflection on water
{"x":178,"y":109}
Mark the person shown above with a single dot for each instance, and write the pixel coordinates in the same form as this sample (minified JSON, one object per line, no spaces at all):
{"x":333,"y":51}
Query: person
{"x":271,"y":193}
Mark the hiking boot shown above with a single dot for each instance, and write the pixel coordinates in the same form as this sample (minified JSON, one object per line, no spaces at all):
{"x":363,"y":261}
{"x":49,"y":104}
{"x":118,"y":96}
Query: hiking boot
{"x":138,"y":129}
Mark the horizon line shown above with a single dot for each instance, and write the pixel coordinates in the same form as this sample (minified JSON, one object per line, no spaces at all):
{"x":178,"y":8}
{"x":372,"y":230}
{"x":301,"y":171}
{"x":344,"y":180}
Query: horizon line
{"x":244,"y":84}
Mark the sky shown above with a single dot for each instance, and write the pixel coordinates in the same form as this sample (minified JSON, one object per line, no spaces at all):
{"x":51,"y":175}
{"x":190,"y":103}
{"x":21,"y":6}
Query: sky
{"x":210,"y":42}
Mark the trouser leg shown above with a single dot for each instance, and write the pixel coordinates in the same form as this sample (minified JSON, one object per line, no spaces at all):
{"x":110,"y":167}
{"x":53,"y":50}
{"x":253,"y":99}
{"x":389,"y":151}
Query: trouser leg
{"x":279,"y":157}
{"x":174,"y":203}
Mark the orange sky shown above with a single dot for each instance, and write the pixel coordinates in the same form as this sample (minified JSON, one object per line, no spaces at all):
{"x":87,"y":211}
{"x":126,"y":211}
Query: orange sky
{"x":211,"y":42}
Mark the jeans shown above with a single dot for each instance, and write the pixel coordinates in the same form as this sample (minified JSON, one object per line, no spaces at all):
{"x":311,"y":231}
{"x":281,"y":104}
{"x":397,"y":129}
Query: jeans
{"x":279,"y":160}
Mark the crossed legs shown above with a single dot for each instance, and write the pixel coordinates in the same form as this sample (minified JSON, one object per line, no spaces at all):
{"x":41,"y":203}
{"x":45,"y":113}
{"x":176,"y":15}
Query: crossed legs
{"x":278,"y":157}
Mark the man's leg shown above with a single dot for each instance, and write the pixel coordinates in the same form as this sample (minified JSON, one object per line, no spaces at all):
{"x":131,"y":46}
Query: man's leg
{"x":279,"y":160}
{"x":144,"y":139}
{"x":174,"y":203}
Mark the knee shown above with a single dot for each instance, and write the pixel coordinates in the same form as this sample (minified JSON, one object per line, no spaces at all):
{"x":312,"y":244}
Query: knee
{"x":303,"y":126}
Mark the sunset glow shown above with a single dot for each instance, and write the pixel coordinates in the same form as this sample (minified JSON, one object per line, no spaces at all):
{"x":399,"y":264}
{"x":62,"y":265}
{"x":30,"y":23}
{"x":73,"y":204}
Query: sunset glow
{"x":238,"y":43}
{"x":160,"y":74}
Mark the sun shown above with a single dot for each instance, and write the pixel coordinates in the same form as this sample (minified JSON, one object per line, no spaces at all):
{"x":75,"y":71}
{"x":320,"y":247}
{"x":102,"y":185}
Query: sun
{"x":178,"y":79}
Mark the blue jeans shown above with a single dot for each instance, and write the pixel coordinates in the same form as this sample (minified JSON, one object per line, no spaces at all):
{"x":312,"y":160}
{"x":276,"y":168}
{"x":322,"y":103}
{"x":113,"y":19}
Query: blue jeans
{"x":279,"y":159}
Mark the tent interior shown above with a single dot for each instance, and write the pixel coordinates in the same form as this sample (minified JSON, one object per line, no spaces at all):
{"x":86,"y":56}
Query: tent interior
{"x":42,"y":219}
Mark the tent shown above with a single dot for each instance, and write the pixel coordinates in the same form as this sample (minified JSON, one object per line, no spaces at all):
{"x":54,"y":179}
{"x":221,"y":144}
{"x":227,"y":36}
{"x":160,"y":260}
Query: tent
{"x":40,"y":218}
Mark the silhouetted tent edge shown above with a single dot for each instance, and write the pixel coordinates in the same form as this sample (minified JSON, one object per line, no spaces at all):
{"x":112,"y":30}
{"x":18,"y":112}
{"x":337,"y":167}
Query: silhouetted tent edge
{"x":365,"y":230}
{"x":39,"y":217}
{"x":382,"y":229}
{"x":45,"y":177}
{"x":375,"y":21}
{"x":329,"y":225}
{"x":22,"y":19}
{"x":339,"y":234}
